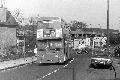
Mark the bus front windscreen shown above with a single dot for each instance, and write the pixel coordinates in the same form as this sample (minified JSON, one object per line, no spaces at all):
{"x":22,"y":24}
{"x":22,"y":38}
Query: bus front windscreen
{"x":49,"y":45}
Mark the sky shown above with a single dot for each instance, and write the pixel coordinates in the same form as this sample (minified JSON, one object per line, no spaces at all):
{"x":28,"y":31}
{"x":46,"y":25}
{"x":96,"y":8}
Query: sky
{"x":89,"y":11}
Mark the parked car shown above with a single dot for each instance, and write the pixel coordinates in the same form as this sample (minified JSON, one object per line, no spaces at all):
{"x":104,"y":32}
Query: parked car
{"x":101,"y":60}
{"x":82,"y":51}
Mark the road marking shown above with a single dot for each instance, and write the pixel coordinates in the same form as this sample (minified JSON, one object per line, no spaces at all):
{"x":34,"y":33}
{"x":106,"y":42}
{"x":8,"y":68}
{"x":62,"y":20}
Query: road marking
{"x":49,"y":73}
{"x":43,"y":76}
{"x":55,"y":71}
{"x":52,"y":72}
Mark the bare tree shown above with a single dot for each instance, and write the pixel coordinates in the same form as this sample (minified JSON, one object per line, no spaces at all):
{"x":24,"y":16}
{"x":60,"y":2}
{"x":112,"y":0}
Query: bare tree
{"x":18,"y":15}
{"x":78,"y":25}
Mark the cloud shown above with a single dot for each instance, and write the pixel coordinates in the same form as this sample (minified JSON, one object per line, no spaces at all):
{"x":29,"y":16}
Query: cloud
{"x":91,"y":11}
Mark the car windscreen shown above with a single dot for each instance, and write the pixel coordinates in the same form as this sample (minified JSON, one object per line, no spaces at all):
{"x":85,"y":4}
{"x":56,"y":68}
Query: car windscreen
{"x":100,"y":55}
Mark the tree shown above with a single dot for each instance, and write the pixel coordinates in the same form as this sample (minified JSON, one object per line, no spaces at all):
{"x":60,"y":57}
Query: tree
{"x":18,"y":15}
{"x":77,"y":25}
{"x":114,"y":39}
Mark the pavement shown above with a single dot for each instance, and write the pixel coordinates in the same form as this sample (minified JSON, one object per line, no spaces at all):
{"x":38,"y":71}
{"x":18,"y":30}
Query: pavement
{"x":17,"y":62}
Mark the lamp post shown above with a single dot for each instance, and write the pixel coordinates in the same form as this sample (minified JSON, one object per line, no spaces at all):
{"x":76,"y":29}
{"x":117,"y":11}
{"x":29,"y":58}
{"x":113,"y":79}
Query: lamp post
{"x":107,"y":24}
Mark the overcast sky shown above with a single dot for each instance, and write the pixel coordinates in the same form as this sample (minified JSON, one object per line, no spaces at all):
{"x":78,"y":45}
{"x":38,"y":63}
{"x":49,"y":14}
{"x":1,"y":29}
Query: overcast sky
{"x":89,"y":11}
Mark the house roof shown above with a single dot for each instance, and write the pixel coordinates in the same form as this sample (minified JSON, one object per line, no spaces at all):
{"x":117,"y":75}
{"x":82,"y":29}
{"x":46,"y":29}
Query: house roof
{"x":10,"y":20}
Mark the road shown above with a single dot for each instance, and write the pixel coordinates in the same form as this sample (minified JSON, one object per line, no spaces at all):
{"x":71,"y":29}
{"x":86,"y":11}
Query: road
{"x":82,"y":71}
{"x":27,"y":72}
{"x":76,"y":69}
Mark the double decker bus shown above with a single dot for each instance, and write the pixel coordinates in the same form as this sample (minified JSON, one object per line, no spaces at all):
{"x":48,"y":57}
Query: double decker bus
{"x":52,"y":41}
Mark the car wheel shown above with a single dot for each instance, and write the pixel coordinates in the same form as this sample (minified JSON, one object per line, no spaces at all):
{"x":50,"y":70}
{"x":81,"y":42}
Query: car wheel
{"x":111,"y":68}
{"x":91,"y":66}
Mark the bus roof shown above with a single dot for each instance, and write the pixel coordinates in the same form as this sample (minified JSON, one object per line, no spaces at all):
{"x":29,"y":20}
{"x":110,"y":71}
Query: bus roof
{"x":48,"y":18}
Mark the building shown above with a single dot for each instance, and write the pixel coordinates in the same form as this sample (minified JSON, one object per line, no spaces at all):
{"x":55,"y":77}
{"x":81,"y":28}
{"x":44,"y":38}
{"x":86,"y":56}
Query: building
{"x":7,"y":30}
{"x":81,"y":34}
{"x":3,"y":16}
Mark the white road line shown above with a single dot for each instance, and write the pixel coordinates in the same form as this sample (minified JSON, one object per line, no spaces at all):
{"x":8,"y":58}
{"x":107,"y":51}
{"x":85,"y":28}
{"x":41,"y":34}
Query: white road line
{"x":55,"y":71}
{"x":65,"y":65}
{"x":43,"y":77}
{"x":28,"y":64}
{"x":52,"y":72}
{"x":49,"y":73}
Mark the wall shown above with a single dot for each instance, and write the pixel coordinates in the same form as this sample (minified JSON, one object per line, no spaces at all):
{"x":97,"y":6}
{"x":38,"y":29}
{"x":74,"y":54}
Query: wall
{"x":7,"y":38}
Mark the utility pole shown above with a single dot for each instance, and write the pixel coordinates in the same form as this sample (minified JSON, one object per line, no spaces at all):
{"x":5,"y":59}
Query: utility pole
{"x":92,"y":46}
{"x":24,"y":46}
{"x":107,"y":24}
{"x":100,"y":29}
{"x":100,"y":32}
